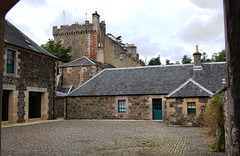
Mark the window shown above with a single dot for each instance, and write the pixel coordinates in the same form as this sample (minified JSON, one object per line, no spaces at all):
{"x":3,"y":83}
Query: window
{"x":10,"y":61}
{"x":121,"y":56}
{"x":121,"y":106}
{"x":191,"y":108}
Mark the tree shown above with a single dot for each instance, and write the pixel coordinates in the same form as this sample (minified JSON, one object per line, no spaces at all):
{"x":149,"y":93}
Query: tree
{"x":186,"y":60}
{"x":219,"y":57}
{"x":177,"y":62}
{"x":205,"y":58}
{"x":155,"y":61}
{"x":58,"y":50}
{"x":167,"y":62}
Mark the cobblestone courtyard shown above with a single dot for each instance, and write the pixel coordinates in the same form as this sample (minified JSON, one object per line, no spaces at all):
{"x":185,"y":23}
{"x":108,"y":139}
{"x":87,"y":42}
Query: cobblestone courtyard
{"x":104,"y":137}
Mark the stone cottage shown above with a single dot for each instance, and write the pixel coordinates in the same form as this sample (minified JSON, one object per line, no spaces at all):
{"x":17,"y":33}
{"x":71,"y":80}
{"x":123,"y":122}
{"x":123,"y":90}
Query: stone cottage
{"x":174,"y":93}
{"x":74,"y":74}
{"x":28,"y":79}
{"x":78,"y":71}
{"x":91,"y":40}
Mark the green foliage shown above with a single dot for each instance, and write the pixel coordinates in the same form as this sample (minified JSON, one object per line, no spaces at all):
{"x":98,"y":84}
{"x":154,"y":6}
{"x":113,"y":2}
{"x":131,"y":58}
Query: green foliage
{"x":167,"y":62}
{"x":205,"y":58}
{"x":186,"y":60}
{"x":214,"y":120}
{"x":58,"y":50}
{"x":219,"y":57}
{"x":155,"y":61}
{"x":177,"y":62}
{"x":216,"y":57}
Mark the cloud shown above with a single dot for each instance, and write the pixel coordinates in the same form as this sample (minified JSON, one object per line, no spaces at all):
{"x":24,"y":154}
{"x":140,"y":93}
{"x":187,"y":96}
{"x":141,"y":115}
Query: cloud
{"x":169,"y":28}
{"x":208,"y":4}
{"x":202,"y":29}
{"x":35,"y":3}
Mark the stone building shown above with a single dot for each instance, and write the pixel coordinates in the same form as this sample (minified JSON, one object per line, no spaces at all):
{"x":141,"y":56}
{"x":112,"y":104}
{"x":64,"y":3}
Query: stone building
{"x":73,"y":74}
{"x":28,"y":79}
{"x":90,"y":40}
{"x":77,"y":72}
{"x":174,"y":93}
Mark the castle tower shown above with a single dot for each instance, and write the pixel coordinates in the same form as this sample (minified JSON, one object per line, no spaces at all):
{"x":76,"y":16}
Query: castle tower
{"x":95,"y":21}
{"x":85,"y":39}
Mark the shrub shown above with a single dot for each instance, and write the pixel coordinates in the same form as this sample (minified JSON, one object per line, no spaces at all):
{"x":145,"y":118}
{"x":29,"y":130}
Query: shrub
{"x":214,"y":120}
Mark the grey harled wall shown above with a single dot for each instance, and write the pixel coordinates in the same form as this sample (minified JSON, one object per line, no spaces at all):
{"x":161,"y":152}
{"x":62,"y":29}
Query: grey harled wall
{"x":232,"y":32}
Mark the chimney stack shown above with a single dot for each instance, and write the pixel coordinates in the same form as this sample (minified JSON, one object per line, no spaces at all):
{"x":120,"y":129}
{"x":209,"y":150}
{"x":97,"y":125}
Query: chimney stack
{"x":197,"y":57}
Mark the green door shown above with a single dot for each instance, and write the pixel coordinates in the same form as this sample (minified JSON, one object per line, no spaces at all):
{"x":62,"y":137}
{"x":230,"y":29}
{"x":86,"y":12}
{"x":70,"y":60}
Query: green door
{"x":157,"y":109}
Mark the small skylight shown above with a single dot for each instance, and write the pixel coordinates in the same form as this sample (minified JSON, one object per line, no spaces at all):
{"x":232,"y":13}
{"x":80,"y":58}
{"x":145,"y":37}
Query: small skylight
{"x":224,"y":81}
{"x":28,"y":42}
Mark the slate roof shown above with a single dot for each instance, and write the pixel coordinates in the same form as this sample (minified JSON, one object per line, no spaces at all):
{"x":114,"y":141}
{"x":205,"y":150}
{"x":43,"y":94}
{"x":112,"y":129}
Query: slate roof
{"x":15,"y":37}
{"x":85,"y":61}
{"x":153,"y":80}
{"x":190,"y":88}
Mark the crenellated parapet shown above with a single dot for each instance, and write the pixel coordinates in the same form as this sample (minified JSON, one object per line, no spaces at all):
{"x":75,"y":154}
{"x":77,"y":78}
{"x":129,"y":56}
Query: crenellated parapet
{"x":83,"y":38}
{"x":74,"y":29}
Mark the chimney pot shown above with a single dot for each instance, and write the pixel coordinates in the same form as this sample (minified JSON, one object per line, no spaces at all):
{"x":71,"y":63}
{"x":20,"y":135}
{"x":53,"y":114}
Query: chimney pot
{"x":197,"y":48}
{"x":197,"y":57}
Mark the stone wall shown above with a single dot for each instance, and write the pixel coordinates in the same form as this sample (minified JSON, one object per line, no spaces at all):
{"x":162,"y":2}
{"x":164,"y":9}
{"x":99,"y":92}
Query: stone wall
{"x":85,"y":39}
{"x":178,"y":115}
{"x":117,"y":56}
{"x":90,"y":40}
{"x":60,"y":107}
{"x":34,"y":72}
{"x":174,"y":110}
{"x":106,"y":107}
{"x":232,"y":37}
{"x":76,"y":76}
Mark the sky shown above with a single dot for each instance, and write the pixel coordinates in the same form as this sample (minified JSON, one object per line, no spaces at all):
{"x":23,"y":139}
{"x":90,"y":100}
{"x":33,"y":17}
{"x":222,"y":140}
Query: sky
{"x":169,"y":28}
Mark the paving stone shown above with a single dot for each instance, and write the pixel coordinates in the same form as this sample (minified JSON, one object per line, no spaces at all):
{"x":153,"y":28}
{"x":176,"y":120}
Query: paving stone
{"x":104,"y":137}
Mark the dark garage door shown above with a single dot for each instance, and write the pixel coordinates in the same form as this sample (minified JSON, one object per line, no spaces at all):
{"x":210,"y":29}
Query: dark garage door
{"x":34,"y":105}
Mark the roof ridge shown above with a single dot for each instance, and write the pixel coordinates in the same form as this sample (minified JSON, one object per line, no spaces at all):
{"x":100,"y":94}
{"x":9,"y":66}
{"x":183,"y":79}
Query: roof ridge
{"x":158,"y":66}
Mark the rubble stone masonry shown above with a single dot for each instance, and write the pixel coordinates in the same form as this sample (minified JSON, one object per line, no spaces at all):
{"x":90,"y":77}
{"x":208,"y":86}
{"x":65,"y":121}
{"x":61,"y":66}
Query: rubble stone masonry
{"x":178,"y":115}
{"x":76,"y":76}
{"x":106,"y":107}
{"x":33,"y":71}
